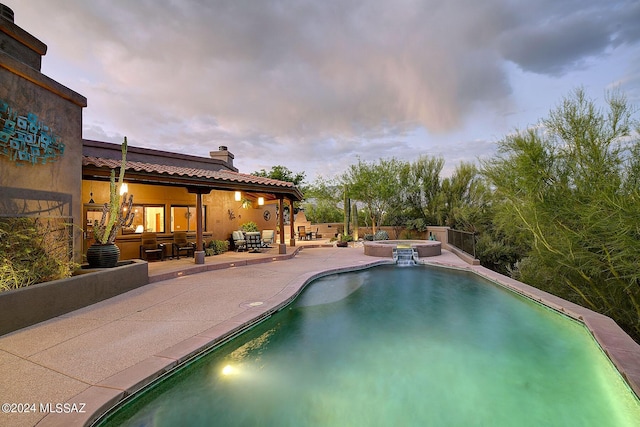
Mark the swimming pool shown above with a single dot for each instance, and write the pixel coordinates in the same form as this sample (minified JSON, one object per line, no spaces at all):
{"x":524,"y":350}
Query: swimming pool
{"x":391,"y":346}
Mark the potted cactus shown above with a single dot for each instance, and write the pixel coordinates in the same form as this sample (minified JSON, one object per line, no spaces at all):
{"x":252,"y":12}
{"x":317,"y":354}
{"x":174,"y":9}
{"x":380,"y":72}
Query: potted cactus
{"x":344,"y":240}
{"x":116,"y":214}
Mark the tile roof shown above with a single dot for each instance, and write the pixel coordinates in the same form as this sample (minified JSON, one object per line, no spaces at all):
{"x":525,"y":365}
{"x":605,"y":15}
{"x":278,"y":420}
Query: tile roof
{"x":217,"y":175}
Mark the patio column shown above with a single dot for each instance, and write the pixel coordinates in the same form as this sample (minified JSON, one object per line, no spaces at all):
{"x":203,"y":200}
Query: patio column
{"x":199,"y":252}
{"x":292,"y":240}
{"x":282,"y":247}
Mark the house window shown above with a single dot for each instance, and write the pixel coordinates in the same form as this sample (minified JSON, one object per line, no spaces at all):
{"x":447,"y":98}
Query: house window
{"x":183,"y":218}
{"x":147,"y":218}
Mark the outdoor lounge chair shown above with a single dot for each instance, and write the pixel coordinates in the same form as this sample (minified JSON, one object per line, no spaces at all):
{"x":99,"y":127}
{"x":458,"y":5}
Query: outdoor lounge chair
{"x":267,"y":238}
{"x":239,"y":241}
{"x":254,"y":242}
{"x":150,"y":245}
{"x":181,"y":244}
{"x":302,"y":232}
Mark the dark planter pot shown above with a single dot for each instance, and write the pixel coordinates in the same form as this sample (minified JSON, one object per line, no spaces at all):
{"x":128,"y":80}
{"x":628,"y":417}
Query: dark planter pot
{"x":103,"y":256}
{"x":342,"y":244}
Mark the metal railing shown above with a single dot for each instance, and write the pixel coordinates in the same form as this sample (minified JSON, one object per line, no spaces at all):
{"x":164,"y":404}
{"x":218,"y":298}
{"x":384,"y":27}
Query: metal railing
{"x":463,"y":240}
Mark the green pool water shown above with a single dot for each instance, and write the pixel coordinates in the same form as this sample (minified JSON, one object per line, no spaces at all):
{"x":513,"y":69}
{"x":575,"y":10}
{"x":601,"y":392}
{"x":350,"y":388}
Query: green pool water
{"x":393,"y":346}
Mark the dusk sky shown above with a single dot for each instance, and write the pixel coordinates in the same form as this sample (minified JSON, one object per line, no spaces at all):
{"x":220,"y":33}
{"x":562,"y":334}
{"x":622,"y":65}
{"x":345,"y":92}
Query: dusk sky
{"x":314,"y":84}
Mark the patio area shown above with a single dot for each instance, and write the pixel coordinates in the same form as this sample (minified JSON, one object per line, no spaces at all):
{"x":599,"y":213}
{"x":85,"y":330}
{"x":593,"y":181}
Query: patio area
{"x":173,"y":268}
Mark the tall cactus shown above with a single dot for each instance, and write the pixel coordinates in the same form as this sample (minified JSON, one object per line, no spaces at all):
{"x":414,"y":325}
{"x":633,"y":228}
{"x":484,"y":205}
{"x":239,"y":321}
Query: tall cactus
{"x":115,"y":214}
{"x":354,"y":219}
{"x":347,"y":212}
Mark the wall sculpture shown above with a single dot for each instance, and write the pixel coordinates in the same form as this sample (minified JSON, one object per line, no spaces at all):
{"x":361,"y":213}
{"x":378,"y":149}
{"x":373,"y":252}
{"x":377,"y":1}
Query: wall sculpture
{"x":26,"y":140}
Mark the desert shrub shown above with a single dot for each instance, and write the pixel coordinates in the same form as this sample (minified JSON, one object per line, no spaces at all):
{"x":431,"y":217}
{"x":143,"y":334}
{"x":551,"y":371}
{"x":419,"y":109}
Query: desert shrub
{"x":418,"y":224}
{"x":249,"y":226}
{"x":381,"y":235}
{"x":216,"y":247}
{"x":220,"y":246}
{"x":33,"y":251}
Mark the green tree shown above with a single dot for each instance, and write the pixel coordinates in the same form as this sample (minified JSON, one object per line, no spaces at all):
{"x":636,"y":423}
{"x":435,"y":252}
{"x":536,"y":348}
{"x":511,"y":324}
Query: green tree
{"x":421,"y":185}
{"x":322,"y":199}
{"x":282,"y":173}
{"x":375,"y":185}
{"x":460,"y":196}
{"x":571,"y":187}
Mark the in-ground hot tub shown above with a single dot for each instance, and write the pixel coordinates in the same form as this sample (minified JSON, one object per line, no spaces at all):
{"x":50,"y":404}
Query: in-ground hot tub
{"x":384,"y":248}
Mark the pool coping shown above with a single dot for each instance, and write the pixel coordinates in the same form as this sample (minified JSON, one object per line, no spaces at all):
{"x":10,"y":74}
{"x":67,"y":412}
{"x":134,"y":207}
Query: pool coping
{"x":103,"y":396}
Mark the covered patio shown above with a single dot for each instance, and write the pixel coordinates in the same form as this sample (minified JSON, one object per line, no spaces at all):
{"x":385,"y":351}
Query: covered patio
{"x":205,"y":197}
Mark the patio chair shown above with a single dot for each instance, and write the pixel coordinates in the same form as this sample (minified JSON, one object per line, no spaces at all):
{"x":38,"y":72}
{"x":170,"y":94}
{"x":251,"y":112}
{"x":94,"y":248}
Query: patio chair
{"x":267,"y":238}
{"x":239,"y":241}
{"x":254,"y":242}
{"x":302,"y":232}
{"x":181,"y":244}
{"x":150,"y":245}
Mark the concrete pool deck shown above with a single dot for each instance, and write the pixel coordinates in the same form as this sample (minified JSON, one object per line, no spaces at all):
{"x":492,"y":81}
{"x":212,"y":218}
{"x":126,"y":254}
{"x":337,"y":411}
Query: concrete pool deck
{"x":91,"y":358}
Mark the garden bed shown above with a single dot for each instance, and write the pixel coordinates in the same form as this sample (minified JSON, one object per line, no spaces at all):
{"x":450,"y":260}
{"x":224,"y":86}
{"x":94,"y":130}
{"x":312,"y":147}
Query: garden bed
{"x":27,"y":306}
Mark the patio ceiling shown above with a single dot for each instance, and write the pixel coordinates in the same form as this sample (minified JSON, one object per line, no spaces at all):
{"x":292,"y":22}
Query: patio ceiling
{"x":196,"y":180}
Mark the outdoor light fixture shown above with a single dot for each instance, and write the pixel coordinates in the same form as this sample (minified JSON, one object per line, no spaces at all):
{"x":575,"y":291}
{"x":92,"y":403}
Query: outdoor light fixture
{"x":238,"y":196}
{"x":124,"y":188}
{"x":260,"y":201}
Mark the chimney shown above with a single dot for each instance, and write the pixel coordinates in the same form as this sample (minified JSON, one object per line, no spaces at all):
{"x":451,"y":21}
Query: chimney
{"x":6,"y":12}
{"x":223,"y":154}
{"x":17,"y":43}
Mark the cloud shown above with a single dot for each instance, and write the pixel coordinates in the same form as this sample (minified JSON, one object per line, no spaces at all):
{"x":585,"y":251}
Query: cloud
{"x":293,"y":67}
{"x":311,"y":78}
{"x":561,"y":36}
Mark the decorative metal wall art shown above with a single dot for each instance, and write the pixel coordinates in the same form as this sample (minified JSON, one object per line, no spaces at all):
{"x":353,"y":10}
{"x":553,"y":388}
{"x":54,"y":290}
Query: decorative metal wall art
{"x":24,"y":139}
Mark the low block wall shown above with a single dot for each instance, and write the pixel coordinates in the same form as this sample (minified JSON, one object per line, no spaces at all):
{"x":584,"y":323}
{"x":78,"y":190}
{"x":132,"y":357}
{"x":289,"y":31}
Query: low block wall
{"x":24,"y":307}
{"x":384,"y":248}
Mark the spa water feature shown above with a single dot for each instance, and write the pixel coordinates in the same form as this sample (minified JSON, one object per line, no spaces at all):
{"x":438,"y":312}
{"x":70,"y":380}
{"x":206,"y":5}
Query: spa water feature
{"x":405,"y":256}
{"x":398,"y":346}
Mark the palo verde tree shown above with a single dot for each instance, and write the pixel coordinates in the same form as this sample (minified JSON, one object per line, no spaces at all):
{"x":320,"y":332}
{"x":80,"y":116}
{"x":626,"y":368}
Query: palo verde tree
{"x":375,"y":185}
{"x":421,"y":184}
{"x":322,"y":199}
{"x":461,"y":197}
{"x":571,"y":187}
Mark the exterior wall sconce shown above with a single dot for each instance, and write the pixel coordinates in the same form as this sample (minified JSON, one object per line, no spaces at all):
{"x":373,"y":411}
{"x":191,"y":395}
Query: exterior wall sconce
{"x":124,"y":188}
{"x":260,"y":201}
{"x":238,"y":196}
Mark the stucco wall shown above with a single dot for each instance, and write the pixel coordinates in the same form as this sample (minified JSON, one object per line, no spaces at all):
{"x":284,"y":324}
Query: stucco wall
{"x":51,"y":189}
